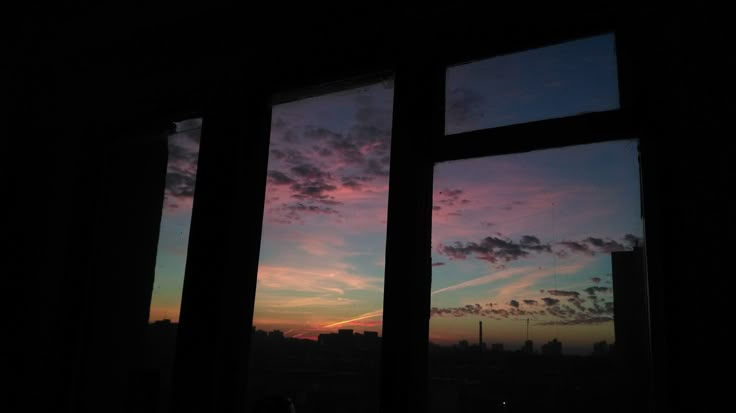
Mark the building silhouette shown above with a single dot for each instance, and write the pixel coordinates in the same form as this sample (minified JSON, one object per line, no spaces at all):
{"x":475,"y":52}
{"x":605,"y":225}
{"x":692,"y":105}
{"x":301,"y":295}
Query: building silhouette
{"x":552,"y":348}
{"x":601,"y":348}
{"x":631,"y":320}
{"x":528,"y":347}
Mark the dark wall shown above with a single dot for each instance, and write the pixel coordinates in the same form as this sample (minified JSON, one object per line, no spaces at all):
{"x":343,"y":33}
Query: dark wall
{"x":90,"y":92}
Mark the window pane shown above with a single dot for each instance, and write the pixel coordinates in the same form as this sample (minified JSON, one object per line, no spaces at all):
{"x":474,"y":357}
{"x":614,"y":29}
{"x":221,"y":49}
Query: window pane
{"x":527,"y":251}
{"x":171,"y":257}
{"x":319,"y":298}
{"x":550,"y":82}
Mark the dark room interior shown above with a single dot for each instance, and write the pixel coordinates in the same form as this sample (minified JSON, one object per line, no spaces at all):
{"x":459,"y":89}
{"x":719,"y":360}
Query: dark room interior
{"x":92,"y":93}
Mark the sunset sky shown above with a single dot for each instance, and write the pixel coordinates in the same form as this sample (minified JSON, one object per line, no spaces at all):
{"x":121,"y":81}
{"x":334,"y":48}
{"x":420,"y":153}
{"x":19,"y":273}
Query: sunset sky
{"x":529,"y":236}
{"x":324,"y":228}
{"x":175,"y":220}
{"x":515,"y":237}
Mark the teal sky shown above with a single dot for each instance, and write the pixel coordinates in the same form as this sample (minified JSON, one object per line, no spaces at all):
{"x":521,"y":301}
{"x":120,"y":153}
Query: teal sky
{"x":529,"y":236}
{"x":176,"y":218}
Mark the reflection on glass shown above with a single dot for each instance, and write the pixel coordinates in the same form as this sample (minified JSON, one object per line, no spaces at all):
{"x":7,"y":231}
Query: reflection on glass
{"x":319,"y":297}
{"x":171,"y":257}
{"x":523,"y":312}
{"x":546,"y":83}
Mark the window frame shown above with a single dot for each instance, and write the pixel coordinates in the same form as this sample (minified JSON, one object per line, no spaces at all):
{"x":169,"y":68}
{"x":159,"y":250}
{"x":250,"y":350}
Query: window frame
{"x":232,"y":172}
{"x":579,"y":129}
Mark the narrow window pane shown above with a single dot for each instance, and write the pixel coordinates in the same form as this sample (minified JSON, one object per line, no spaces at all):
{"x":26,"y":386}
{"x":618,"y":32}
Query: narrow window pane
{"x":171,"y":257}
{"x":319,"y":298}
{"x":527,"y":251}
{"x":546,"y":83}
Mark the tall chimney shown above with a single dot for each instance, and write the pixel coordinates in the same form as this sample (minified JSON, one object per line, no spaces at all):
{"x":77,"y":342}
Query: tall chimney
{"x":480,"y":334}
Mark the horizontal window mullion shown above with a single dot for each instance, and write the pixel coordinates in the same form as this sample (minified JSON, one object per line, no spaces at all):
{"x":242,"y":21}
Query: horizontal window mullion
{"x":586,"y":128}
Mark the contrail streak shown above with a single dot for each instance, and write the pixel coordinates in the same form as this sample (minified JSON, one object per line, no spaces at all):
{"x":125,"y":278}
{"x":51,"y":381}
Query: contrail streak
{"x":372,"y":314}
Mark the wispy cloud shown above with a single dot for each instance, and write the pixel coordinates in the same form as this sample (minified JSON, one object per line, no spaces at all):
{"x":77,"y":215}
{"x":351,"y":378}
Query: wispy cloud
{"x":372,"y":314}
{"x":499,"y":275}
{"x":317,"y":280}
{"x":292,"y":301}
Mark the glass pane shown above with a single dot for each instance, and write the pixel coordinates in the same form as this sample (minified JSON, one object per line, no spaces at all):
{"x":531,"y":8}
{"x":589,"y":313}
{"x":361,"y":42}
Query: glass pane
{"x":319,"y":298}
{"x":171,"y":257}
{"x":527,"y":250}
{"x":550,"y":82}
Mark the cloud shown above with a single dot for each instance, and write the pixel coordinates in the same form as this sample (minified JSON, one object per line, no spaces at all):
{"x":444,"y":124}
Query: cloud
{"x":375,"y":167}
{"x":309,"y":171}
{"x":314,"y":191}
{"x":180,"y":183}
{"x":286,"y":301}
{"x":514,"y":303}
{"x":595,"y":289}
{"x":594,"y":245}
{"x":604,"y":245}
{"x":560,"y":311}
{"x":499,"y":250}
{"x":279,"y":178}
{"x":577,"y":302}
{"x":288,"y":156}
{"x":320,"y":133}
{"x":548,"y":301}
{"x":493,"y":249}
{"x":577,"y":321}
{"x":298,"y":207}
{"x":596,"y":279}
{"x":632,"y":240}
{"x":481,"y":311}
{"x":564,"y":293}
{"x":576,"y":247}
{"x":313,"y":280}
{"x":372,"y":314}
{"x":530,"y":302}
{"x":356,"y":182}
{"x":181,"y":170}
{"x":338,"y":161}
{"x":483,"y":280}
{"x":450,"y":197}
{"x":438,"y":264}
{"x":529,"y":240}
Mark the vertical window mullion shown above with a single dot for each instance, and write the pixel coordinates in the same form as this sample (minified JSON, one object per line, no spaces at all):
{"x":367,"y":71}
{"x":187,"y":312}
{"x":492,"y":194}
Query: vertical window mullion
{"x":222,"y":257}
{"x":418,"y":118}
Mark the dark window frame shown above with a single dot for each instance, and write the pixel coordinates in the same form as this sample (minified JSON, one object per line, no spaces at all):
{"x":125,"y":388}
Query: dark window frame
{"x":418,"y":142}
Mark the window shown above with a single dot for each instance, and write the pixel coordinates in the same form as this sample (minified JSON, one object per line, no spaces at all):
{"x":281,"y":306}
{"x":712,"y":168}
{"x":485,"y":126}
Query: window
{"x":523,"y":299}
{"x":319,"y":300}
{"x":181,"y":171}
{"x":551,"y":82}
{"x":315,"y":276}
{"x":529,"y":249}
